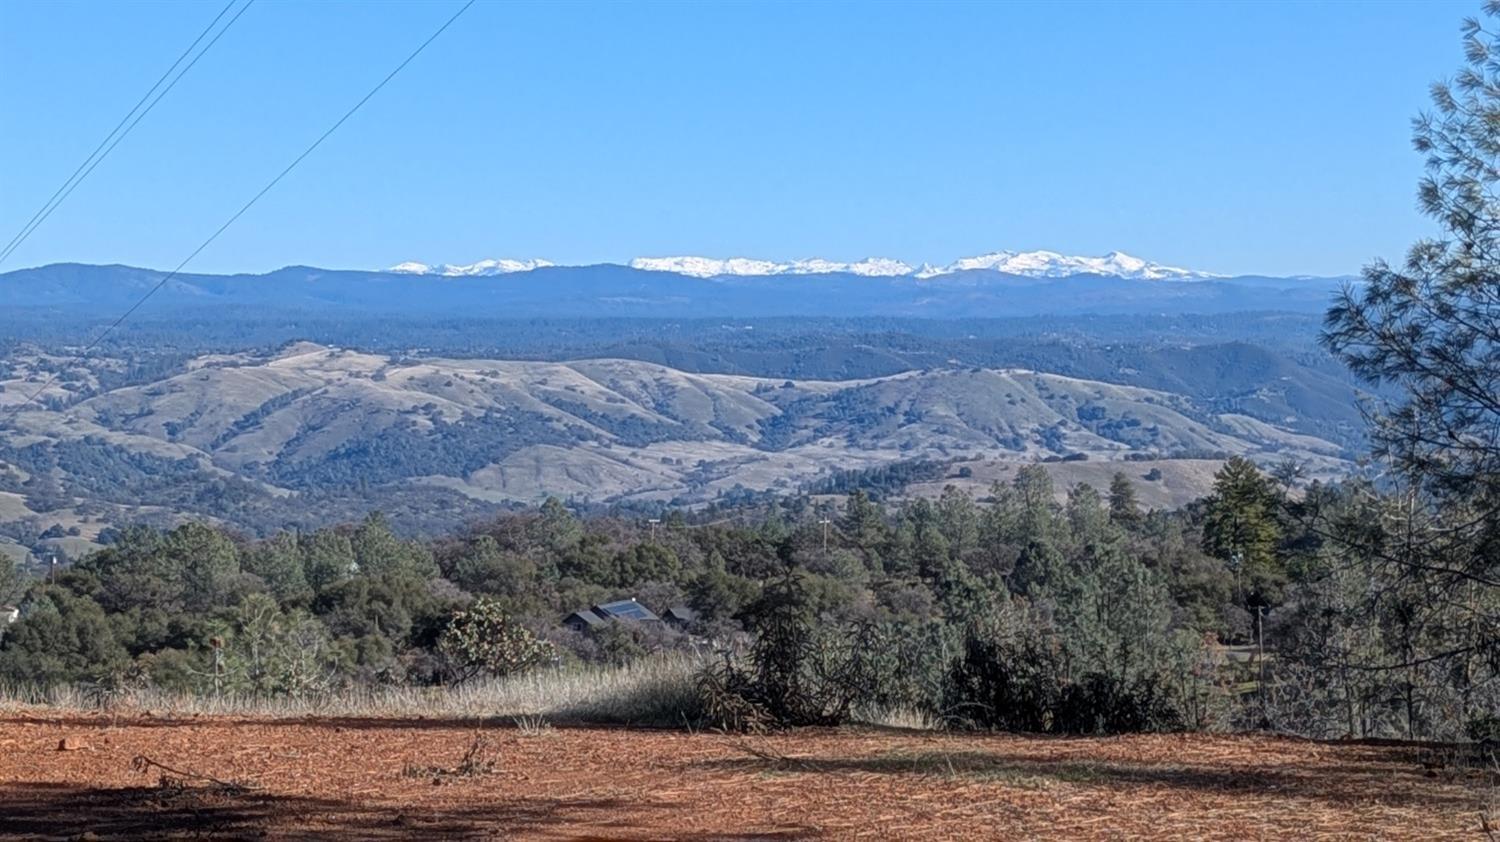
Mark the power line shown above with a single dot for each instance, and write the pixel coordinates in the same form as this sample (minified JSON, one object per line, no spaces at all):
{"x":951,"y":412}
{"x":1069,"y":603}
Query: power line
{"x":241,"y":212}
{"x":95,"y":158}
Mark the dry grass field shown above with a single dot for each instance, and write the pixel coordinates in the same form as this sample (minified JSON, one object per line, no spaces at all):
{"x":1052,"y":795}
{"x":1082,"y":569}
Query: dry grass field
{"x":1181,"y":480}
{"x":149,"y":775}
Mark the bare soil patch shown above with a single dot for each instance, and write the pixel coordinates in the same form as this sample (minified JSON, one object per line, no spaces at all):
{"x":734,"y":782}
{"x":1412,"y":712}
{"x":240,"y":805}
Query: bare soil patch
{"x":79,"y":776}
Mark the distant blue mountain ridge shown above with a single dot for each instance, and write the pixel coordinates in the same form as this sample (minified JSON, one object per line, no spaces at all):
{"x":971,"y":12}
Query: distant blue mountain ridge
{"x":608,"y":290}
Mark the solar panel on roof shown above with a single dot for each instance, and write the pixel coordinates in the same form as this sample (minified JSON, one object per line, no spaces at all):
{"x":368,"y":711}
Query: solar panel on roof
{"x":628,"y":610}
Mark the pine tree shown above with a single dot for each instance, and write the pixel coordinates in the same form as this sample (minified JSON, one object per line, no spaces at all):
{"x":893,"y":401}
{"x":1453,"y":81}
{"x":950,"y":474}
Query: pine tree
{"x":278,"y":562}
{"x":1123,"y":508}
{"x":1428,"y":331}
{"x":327,"y":559}
{"x":1240,"y":529}
{"x":377,"y":550}
{"x":958,"y":520}
{"x":864,"y":527}
{"x":206,"y":561}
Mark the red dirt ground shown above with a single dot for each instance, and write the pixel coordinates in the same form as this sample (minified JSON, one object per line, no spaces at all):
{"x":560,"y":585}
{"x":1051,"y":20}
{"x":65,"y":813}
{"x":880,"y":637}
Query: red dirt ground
{"x":383,"y":779}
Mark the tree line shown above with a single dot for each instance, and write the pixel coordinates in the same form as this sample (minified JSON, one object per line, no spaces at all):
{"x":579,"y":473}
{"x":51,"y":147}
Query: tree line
{"x":1097,"y":615}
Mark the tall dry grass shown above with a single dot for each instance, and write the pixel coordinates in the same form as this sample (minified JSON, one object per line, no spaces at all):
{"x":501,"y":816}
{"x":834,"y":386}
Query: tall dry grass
{"x":660,"y":691}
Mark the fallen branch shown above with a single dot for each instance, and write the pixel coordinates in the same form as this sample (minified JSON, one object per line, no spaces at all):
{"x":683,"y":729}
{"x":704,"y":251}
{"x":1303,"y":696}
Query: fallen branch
{"x":473,"y":764}
{"x":142,"y":763}
{"x":774,"y":758}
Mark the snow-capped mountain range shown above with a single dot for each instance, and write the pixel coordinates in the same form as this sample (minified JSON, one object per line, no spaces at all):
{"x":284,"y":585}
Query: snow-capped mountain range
{"x":483,"y":267}
{"x":708,"y":267}
{"x":1050,"y":264}
{"x":1033,"y":264}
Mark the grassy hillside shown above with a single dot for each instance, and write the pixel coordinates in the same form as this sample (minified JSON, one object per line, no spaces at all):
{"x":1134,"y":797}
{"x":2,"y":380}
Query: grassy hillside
{"x":256,"y":438}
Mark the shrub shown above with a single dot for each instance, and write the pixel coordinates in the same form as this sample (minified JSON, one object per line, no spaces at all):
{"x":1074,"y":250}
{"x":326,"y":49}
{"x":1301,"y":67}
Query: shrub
{"x":1005,"y":680}
{"x":484,"y":639}
{"x":1012,"y":676}
{"x":1483,"y":728}
{"x":800,"y":671}
{"x":1104,"y":704}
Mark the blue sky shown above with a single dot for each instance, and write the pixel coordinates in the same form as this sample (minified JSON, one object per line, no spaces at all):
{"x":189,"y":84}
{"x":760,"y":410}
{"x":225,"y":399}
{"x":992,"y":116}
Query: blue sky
{"x":1227,"y":137}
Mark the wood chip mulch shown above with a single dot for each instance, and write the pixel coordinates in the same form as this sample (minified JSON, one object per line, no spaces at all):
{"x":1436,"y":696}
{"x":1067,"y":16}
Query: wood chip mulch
{"x":361,"y":779}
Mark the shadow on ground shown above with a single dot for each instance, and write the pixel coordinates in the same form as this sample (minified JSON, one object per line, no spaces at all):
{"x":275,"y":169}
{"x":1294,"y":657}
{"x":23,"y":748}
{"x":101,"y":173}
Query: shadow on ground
{"x":55,"y":811}
{"x":1386,"y":784}
{"x":332,"y":723}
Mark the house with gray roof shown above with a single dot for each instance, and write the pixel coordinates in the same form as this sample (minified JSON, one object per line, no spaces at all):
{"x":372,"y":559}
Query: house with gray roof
{"x":596,"y":616}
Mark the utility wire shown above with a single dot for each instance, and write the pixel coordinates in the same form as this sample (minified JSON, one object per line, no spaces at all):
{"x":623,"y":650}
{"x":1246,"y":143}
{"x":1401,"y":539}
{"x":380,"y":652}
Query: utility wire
{"x":241,"y":212}
{"x":94,"y":158}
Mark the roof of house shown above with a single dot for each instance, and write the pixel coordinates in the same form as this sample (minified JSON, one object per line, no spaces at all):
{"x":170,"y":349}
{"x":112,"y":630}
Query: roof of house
{"x":625,"y":609}
{"x":586,"y":616}
{"x":683,"y":613}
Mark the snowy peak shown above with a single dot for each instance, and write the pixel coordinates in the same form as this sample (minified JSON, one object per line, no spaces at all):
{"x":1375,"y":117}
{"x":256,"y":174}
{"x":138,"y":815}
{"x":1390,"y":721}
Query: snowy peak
{"x":882,"y":267}
{"x":1050,"y":264}
{"x":708,"y":267}
{"x":1031,"y":264}
{"x":483,"y":267}
{"x":410,"y":267}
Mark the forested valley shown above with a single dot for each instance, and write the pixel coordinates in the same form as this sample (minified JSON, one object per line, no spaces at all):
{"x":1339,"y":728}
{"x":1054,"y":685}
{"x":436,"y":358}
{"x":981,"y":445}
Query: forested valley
{"x":1254,"y":608}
